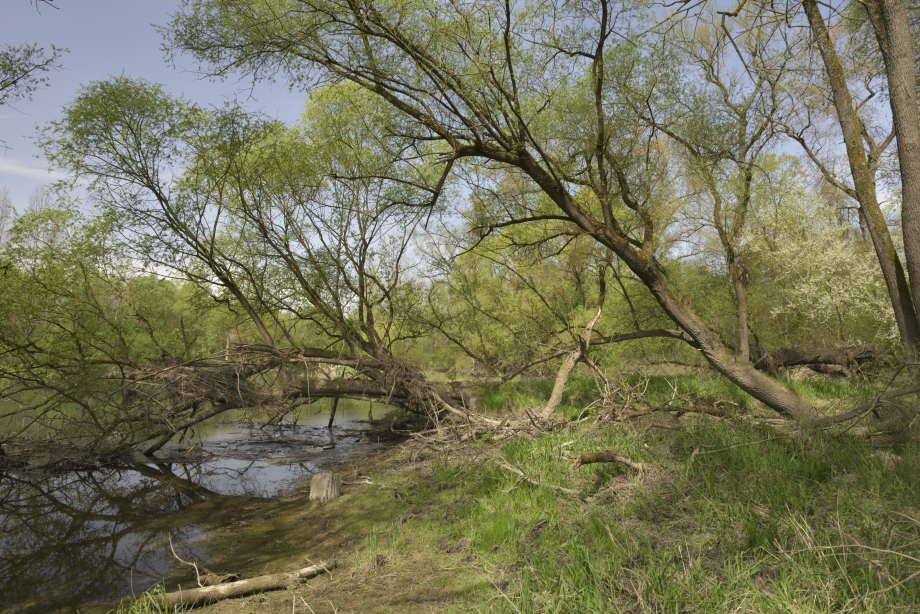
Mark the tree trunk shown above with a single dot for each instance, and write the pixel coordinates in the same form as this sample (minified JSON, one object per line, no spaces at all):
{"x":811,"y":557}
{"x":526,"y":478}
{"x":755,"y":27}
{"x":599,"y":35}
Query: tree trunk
{"x":643,"y":264}
{"x":849,"y":359}
{"x":766,"y":390}
{"x":584,"y":342}
{"x":325,"y":486}
{"x":335,"y":406}
{"x":744,"y":346}
{"x":864,"y":185}
{"x":890,"y":21}
{"x":202,"y":596}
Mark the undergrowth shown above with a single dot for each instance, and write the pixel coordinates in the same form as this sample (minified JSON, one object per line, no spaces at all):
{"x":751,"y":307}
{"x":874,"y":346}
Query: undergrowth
{"x":723,"y":517}
{"x":719,"y":520}
{"x":659,"y":389}
{"x":150,"y":602}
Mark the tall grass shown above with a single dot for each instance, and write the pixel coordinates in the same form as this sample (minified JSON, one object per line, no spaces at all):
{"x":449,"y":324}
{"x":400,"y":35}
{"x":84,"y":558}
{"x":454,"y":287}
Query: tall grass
{"x":826,"y":525}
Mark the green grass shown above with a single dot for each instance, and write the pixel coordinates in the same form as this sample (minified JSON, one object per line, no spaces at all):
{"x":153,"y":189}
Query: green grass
{"x":750,"y":525}
{"x":723,"y":518}
{"x":149,"y":602}
{"x":521,"y":393}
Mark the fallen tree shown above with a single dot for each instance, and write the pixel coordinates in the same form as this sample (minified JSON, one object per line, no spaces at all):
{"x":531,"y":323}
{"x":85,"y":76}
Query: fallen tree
{"x":259,"y":228}
{"x":840,"y":362}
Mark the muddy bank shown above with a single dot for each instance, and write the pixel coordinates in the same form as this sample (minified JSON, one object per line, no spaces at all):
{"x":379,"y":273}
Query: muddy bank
{"x":387,"y":561}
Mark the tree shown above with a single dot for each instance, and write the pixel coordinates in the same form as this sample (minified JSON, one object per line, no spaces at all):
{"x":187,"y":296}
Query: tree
{"x":24,"y":68}
{"x":865,"y":149}
{"x":813,"y":275}
{"x":303,"y":231}
{"x":547,"y":90}
{"x":7,"y":213}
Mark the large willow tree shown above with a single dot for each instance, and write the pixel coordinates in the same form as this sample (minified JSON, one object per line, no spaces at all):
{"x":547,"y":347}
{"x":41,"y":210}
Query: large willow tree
{"x":561,"y":91}
{"x":304,"y":232}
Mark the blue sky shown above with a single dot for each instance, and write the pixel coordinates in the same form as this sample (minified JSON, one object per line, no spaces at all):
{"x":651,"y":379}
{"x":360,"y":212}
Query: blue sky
{"x":106,"y":38}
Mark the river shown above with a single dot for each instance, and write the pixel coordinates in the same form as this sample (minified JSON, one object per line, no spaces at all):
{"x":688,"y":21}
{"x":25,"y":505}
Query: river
{"x":69,"y":540}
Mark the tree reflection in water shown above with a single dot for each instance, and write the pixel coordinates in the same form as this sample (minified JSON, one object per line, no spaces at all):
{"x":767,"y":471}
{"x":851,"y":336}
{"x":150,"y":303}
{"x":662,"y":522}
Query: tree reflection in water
{"x":69,"y":539}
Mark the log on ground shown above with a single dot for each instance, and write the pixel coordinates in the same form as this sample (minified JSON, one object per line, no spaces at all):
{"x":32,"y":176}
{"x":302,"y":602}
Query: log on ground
{"x":845,"y":361}
{"x":197,"y":597}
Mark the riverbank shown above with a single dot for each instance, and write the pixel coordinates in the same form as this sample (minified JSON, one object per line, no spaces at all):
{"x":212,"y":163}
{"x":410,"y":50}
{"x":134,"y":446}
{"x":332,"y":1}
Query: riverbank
{"x":720,"y":517}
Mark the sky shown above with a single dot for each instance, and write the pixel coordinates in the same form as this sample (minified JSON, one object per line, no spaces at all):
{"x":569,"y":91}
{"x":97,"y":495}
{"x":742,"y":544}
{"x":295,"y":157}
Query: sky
{"x":106,"y":38}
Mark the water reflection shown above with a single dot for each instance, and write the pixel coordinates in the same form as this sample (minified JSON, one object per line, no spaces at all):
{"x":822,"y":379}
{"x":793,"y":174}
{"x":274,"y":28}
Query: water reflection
{"x":71,"y":538}
{"x":92,"y":536}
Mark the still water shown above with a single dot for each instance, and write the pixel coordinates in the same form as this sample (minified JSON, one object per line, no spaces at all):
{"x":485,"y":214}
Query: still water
{"x":71,"y":539}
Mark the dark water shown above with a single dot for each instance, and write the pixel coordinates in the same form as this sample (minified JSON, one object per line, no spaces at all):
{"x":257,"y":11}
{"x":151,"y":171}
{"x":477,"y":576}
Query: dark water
{"x":92,"y":536}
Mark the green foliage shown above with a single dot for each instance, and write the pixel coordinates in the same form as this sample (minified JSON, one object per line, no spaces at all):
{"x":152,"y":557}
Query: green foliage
{"x":817,"y":282}
{"x":23,"y":69}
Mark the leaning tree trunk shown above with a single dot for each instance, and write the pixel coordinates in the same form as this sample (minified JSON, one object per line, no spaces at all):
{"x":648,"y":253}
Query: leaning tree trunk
{"x":763,"y":388}
{"x":643,"y":264}
{"x":584,"y":342}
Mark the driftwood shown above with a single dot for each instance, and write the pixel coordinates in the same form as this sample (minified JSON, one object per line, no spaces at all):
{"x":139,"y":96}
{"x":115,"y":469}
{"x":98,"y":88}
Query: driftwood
{"x":845,"y":361}
{"x":605,"y":457}
{"x":209,"y":594}
{"x":325,"y":486}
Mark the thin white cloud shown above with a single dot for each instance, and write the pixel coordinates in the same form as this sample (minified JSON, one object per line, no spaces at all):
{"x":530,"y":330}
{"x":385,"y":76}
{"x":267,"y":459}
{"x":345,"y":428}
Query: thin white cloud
{"x":13,"y":167}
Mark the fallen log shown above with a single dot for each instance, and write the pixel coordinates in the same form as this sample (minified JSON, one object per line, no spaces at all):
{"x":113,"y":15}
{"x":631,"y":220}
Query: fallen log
{"x":197,"y":597}
{"x":845,"y":361}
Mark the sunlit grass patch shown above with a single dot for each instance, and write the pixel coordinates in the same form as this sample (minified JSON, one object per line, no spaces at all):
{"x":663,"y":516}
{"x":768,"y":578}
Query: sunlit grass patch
{"x":753,"y":524}
{"x":530,"y":393}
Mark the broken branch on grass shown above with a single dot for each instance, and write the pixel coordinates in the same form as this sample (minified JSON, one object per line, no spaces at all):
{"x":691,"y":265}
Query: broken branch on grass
{"x":518,"y":471}
{"x":699,"y":451}
{"x":608,"y":456}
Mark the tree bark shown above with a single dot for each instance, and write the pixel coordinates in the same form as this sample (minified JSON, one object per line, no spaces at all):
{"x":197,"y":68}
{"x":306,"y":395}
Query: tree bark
{"x":744,"y":345}
{"x":325,"y":486}
{"x":890,"y":21}
{"x":849,"y":358}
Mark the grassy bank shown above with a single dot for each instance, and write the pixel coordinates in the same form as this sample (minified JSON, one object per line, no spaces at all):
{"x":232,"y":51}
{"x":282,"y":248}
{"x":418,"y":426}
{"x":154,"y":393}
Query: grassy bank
{"x":722,"y":518}
{"x":657,"y":389}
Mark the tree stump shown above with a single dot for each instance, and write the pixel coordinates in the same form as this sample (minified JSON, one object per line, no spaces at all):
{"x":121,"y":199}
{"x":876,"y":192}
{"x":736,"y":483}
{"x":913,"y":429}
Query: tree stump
{"x":325,"y":486}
